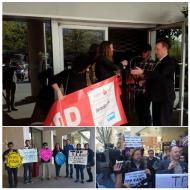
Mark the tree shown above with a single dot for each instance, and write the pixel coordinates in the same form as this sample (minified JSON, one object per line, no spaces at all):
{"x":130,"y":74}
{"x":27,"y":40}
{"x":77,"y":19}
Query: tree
{"x":104,"y":135}
{"x":14,"y":36}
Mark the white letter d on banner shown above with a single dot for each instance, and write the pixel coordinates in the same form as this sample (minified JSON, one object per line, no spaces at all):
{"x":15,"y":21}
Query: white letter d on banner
{"x":76,"y":113}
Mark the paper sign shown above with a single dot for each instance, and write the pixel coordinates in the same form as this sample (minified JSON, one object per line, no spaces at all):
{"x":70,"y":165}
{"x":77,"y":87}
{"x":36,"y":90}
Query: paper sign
{"x":29,"y":155}
{"x":172,"y":180}
{"x":78,"y":157}
{"x":13,"y":160}
{"x":45,"y":154}
{"x":98,"y":104}
{"x":133,"y":142}
{"x":132,"y":179}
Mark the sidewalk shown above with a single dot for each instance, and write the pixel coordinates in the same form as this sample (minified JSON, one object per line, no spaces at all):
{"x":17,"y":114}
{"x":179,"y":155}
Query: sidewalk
{"x":62,"y":182}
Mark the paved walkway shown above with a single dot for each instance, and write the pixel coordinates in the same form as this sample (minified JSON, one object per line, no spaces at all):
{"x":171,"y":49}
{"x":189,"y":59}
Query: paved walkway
{"x":62,"y":182}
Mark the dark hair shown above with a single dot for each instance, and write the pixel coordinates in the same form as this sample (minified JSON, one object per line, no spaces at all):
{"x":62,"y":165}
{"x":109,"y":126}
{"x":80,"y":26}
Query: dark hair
{"x":45,"y":144}
{"x":56,"y":145}
{"x":104,"y":49}
{"x":27,"y":140}
{"x":165,"y":42}
{"x":78,"y":144}
{"x":150,"y":150}
{"x":146,"y":48}
{"x":10,"y":143}
{"x":86,"y":144}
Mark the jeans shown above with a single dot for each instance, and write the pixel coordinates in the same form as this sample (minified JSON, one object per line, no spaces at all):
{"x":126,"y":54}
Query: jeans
{"x":12,"y":177}
{"x":81,"y":170}
{"x":27,"y":172}
{"x":67,"y":169}
{"x":57,"y":169}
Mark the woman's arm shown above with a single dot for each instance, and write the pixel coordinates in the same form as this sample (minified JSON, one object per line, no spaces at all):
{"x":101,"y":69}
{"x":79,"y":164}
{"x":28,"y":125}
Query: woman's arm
{"x":57,"y":91}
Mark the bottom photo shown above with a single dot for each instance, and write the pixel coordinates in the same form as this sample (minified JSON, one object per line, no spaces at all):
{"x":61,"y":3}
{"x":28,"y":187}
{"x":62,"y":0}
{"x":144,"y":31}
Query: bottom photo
{"x":142,"y":157}
{"x":46,"y":157}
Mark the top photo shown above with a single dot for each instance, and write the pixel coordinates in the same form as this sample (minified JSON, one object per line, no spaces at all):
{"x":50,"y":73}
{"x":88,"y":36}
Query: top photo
{"x":95,"y":64}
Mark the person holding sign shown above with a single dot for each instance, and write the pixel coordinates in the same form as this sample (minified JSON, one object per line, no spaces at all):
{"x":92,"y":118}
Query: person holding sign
{"x":27,"y":166}
{"x":173,"y":165}
{"x":12,"y":172}
{"x":90,"y":162}
{"x":141,"y":175}
{"x":68,"y":147}
{"x":79,"y":168}
{"x":45,"y":155}
{"x":57,"y":150}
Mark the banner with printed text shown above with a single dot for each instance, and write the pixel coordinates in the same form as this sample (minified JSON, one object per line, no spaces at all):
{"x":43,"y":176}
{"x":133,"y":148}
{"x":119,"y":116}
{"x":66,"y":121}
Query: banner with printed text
{"x":98,"y":104}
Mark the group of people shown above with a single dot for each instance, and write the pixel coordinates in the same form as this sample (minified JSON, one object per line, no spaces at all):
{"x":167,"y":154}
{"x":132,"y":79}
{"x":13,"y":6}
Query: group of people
{"x":97,"y":65}
{"x":158,"y":82}
{"x":134,"y":160}
{"x":46,"y":164}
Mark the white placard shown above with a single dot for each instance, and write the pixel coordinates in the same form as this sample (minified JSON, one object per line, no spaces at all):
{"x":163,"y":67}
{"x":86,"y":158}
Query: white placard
{"x":172,"y":180}
{"x":28,"y":155}
{"x":134,"y":178}
{"x":104,"y":105}
{"x":78,"y":157}
{"x":133,"y":142}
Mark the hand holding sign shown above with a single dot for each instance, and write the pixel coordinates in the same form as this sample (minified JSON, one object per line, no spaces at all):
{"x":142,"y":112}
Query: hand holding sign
{"x":118,"y":166}
{"x":13,"y":160}
{"x":45,"y":154}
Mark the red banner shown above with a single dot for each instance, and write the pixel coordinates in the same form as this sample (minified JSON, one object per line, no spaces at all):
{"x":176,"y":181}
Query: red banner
{"x":98,"y":104}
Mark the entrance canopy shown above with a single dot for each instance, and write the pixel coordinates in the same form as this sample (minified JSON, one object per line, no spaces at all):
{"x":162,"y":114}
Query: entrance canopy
{"x":149,"y":13}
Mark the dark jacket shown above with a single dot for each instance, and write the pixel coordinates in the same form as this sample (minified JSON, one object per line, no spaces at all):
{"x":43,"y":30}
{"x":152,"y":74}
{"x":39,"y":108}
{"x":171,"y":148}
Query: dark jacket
{"x":163,"y":167}
{"x":160,"y":82}
{"x":90,"y":159}
{"x":55,"y":151}
{"x":131,"y":167}
{"x":67,"y":148}
{"x":105,"y":68}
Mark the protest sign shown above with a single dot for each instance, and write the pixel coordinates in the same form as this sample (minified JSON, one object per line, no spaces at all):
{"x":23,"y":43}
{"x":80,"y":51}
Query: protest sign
{"x":132,"y":179}
{"x":78,"y":157}
{"x":60,"y":158}
{"x":133,"y":142}
{"x":29,"y":155}
{"x":172,"y":180}
{"x":45,"y":154}
{"x":98,"y":104}
{"x":13,"y":160}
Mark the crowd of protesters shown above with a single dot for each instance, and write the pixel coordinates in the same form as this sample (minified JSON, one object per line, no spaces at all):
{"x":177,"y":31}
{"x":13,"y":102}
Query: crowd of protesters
{"x":45,"y":165}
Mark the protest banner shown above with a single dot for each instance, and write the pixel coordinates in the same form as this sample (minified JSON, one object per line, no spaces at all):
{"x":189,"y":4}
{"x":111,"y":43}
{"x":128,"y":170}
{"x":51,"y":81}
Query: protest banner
{"x":172,"y":180}
{"x":98,"y":104}
{"x":132,"y":179}
{"x":29,"y":155}
{"x":133,"y":142}
{"x":78,"y":157}
{"x":13,"y":160}
{"x":45,"y":154}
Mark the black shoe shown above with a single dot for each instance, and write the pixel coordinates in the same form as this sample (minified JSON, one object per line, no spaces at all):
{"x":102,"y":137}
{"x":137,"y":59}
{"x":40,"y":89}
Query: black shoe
{"x":66,"y":176}
{"x":90,"y":180}
{"x":14,"y":109}
{"x":76,"y":180}
{"x":71,"y":176}
{"x":9,"y":110}
{"x":82,"y":181}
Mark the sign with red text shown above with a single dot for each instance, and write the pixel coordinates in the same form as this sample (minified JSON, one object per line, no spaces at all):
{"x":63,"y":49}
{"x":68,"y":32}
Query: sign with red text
{"x":98,"y":104}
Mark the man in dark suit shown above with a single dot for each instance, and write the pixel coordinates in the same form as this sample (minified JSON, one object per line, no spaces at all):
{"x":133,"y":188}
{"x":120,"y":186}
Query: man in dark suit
{"x":173,"y":165}
{"x":160,"y":84}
